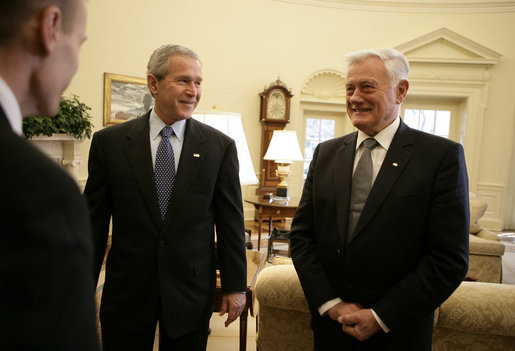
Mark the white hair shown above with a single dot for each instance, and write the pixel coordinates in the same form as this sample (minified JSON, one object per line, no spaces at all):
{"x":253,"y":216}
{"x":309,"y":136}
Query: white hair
{"x":396,"y":64}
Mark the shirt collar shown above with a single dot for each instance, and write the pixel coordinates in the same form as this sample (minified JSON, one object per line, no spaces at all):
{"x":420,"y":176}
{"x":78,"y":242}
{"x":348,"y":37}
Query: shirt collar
{"x":11,"y":107}
{"x":156,"y":125}
{"x":384,"y":137}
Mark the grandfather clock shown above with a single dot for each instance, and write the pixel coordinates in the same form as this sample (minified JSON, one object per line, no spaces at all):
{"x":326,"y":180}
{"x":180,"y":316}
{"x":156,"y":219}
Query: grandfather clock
{"x":274,"y":114}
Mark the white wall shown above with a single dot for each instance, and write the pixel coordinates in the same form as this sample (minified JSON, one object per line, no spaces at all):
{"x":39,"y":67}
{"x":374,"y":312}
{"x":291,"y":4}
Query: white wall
{"x":246,"y":44}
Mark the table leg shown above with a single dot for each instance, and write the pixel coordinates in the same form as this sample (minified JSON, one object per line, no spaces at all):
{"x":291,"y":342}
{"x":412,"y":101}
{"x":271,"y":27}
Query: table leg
{"x":260,"y":224}
{"x":248,"y":244}
{"x":243,"y":329}
{"x":269,"y":246}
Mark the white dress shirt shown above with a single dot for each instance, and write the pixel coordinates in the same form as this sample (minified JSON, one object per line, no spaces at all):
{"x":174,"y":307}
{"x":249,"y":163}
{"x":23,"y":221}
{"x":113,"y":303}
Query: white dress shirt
{"x":384,"y":138}
{"x":11,"y":108}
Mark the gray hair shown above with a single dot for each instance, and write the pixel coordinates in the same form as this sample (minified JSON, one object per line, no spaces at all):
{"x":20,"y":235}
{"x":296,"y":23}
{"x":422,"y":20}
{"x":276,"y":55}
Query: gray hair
{"x":158,"y":64}
{"x":396,"y":64}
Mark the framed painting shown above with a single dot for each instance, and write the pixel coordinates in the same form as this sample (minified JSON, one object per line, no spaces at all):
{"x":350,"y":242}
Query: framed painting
{"x":125,"y":98}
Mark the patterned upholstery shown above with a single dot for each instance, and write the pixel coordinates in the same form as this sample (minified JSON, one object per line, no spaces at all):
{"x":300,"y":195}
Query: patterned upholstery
{"x":477,"y":316}
{"x":485,"y":260}
{"x":485,"y":251}
{"x":283,"y":317}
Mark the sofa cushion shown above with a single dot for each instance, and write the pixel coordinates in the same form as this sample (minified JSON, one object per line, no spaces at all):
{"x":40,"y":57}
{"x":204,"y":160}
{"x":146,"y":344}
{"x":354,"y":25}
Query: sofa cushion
{"x":477,"y":210}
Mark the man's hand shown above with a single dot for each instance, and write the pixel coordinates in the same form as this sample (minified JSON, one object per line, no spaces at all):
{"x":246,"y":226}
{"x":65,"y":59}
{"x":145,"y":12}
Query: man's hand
{"x":233,"y":304}
{"x":360,"y":324}
{"x":343,"y":308}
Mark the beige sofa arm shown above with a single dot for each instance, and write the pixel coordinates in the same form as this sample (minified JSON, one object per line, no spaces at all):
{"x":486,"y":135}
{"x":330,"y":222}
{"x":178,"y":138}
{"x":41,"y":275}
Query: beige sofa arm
{"x":283,"y":317}
{"x":484,"y":247}
{"x":482,"y":308}
{"x":279,"y":287}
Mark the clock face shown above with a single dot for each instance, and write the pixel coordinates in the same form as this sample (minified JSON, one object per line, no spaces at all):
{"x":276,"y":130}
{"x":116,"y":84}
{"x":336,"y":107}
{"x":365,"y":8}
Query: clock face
{"x":276,"y":108}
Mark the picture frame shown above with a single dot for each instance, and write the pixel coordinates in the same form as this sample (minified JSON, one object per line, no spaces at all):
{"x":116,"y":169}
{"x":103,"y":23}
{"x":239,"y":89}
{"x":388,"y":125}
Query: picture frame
{"x":125,"y":98}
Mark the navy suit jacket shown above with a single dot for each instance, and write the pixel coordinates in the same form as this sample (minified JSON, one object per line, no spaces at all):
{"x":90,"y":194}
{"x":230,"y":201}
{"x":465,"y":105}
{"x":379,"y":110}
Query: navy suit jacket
{"x":410,"y":250}
{"x":171,"y":263}
{"x":46,"y":253}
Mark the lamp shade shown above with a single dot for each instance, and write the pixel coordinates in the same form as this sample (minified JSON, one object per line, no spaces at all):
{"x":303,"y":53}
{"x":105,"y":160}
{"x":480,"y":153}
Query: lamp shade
{"x":284,"y":146}
{"x":230,"y":124}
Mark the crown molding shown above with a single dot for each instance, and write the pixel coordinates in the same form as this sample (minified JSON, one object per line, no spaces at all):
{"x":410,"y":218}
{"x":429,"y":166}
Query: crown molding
{"x":420,"y":6}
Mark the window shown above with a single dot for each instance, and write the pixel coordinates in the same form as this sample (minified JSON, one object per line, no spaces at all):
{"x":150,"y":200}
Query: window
{"x":431,"y":121}
{"x":317,"y":130}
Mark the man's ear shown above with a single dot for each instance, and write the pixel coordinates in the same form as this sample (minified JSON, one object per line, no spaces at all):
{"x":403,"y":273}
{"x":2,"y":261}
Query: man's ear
{"x":152,"y":84}
{"x":50,"y":28}
{"x":401,"y":91}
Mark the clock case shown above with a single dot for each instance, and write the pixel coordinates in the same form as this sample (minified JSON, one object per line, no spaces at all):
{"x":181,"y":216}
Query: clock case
{"x":269,"y":179}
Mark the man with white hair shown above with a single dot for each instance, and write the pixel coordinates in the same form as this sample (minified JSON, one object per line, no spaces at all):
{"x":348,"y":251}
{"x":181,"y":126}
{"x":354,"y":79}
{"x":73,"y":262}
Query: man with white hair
{"x":380,"y":238}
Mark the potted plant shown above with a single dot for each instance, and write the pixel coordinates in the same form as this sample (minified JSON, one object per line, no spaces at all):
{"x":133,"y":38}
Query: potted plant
{"x":60,"y":136}
{"x":72,"y":119}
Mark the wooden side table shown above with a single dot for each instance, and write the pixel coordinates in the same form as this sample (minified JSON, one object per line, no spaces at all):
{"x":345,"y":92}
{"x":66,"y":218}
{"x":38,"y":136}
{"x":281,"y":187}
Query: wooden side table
{"x":272,"y":210}
{"x":255,"y":260}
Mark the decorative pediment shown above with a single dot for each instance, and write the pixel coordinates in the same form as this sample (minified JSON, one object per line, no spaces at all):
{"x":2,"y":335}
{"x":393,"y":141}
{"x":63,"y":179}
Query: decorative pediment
{"x":447,"y":55}
{"x":448,"y":47}
{"x":324,"y":85}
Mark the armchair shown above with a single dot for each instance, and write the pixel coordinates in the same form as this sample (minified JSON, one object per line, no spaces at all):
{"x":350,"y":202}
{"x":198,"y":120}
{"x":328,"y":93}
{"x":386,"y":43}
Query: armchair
{"x":476,"y":317}
{"x":485,"y":250}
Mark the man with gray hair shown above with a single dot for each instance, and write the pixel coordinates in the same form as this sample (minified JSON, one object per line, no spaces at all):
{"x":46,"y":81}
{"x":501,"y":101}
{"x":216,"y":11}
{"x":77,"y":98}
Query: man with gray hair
{"x":165,"y":180}
{"x":46,"y":252}
{"x":380,"y":238}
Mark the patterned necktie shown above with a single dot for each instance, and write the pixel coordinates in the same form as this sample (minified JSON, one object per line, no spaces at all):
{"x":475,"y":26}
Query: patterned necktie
{"x":164,"y":172}
{"x":361,"y":184}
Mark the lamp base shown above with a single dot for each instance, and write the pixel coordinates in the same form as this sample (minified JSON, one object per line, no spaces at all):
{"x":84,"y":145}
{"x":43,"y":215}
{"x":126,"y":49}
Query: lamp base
{"x":281,"y":192}
{"x":282,"y":196}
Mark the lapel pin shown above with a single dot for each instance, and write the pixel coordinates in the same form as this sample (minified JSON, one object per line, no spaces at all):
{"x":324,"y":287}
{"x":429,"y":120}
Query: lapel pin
{"x":196,"y":155}
{"x":395,"y":164}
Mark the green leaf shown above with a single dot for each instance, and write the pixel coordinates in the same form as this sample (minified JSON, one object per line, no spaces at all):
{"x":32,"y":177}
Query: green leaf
{"x":72,"y":118}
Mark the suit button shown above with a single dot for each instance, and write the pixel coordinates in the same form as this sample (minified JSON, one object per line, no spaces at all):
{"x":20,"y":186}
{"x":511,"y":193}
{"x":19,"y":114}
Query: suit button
{"x":339,"y":252}
{"x":162,"y":243}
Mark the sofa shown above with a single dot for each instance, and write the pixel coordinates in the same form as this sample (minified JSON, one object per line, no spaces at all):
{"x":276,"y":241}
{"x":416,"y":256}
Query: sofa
{"x":485,"y":250}
{"x":477,"y":316}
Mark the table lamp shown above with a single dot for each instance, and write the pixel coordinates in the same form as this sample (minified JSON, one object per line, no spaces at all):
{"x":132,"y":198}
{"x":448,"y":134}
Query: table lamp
{"x":283,"y":149}
{"x":230,"y":124}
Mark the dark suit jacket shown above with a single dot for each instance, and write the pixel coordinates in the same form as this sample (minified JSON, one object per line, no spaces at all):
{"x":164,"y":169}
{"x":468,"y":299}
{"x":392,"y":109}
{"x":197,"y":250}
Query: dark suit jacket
{"x":170,"y":262}
{"x":410,"y":250}
{"x":46,"y":253}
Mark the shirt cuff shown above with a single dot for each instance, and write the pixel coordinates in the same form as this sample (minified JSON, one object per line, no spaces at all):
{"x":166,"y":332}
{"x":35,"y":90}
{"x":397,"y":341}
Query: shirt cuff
{"x":380,"y":322}
{"x":326,"y":306}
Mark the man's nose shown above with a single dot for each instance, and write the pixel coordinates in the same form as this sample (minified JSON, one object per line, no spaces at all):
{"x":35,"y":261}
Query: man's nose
{"x":191,"y":89}
{"x":356,"y":96}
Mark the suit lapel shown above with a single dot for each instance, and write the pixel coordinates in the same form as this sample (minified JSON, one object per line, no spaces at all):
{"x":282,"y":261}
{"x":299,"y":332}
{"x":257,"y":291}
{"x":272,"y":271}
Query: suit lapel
{"x":193,"y":154}
{"x":3,"y":119}
{"x":394,"y":163}
{"x":343,"y":180}
{"x":140,"y":160}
